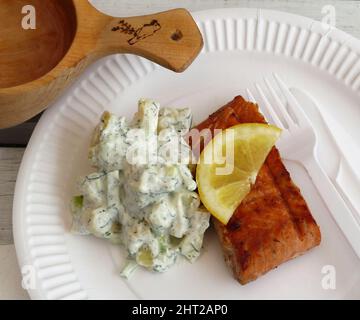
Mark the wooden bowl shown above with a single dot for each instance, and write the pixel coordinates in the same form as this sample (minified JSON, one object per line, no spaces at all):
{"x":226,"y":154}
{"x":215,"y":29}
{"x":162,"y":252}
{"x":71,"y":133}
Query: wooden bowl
{"x":37,"y":64}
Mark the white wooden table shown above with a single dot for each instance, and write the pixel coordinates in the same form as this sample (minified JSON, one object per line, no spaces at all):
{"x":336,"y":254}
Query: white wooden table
{"x":347,"y":19}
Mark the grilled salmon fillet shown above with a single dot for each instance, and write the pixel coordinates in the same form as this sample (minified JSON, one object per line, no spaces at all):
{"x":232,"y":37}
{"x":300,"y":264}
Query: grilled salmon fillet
{"x":273,"y":223}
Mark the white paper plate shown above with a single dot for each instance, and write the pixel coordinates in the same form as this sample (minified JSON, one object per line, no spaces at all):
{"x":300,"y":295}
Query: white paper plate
{"x":241,"y":46}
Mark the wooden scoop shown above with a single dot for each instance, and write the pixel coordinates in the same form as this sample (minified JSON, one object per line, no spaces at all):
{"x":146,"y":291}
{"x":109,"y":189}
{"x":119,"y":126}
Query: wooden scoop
{"x":37,"y":64}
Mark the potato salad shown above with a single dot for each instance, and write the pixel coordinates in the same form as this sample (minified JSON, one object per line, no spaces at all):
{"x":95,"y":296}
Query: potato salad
{"x":142,"y":195}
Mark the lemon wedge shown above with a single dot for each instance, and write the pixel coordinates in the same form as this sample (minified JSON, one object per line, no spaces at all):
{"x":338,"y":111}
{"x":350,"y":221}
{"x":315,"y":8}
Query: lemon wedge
{"x":229,"y":165}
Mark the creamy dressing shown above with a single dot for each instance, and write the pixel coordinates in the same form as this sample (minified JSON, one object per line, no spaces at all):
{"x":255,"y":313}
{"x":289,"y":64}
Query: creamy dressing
{"x":143,"y":193}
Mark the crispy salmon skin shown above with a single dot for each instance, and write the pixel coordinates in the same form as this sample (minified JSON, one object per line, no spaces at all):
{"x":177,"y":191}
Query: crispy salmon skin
{"x":273,"y":223}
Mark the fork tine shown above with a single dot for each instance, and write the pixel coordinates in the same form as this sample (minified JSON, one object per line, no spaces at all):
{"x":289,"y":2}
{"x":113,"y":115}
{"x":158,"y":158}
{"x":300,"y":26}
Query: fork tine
{"x":253,"y":100}
{"x":279,"y":103}
{"x":269,"y":107}
{"x":250,"y":96}
{"x":292,"y":102}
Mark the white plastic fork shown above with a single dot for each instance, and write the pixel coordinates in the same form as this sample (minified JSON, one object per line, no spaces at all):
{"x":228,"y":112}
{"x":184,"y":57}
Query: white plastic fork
{"x":299,"y":143}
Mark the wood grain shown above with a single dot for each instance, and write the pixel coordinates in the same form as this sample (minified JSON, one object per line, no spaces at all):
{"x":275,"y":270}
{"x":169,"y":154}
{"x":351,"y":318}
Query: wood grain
{"x":37,"y":65}
{"x":347,"y":19}
{"x":10,"y":159}
{"x":10,"y":275}
{"x":347,"y":13}
{"x":25,"y":52}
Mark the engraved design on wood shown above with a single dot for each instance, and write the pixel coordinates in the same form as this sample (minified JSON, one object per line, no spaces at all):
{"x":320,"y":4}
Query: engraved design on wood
{"x":147,"y":30}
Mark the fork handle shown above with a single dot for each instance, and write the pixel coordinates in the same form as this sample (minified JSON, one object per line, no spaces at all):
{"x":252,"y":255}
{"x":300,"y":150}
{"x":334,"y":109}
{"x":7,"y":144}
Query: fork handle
{"x":335,"y":203}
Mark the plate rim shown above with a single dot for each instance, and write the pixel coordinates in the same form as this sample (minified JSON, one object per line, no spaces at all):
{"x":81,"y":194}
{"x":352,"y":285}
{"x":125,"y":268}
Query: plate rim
{"x":19,"y":221}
